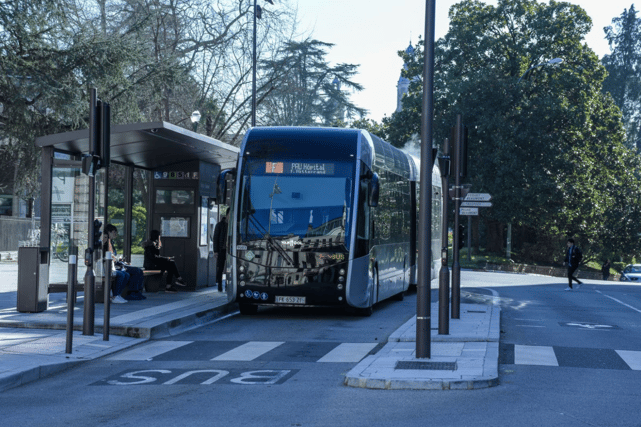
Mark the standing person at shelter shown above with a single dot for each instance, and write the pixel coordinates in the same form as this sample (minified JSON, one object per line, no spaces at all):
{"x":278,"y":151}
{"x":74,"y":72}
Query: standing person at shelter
{"x":220,"y":249}
{"x":153,"y":261}
{"x":605,"y":269}
{"x":125,"y":274}
{"x":573,"y":258}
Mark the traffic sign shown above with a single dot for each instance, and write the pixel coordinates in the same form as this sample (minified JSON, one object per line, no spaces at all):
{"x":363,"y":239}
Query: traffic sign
{"x":469,"y":211}
{"x":467,"y":204}
{"x":478,"y":197}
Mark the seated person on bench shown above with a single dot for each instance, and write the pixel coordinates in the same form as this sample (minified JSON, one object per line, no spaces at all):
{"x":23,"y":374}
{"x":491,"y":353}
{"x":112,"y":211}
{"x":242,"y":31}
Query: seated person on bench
{"x":153,"y":261}
{"x":125,"y":274}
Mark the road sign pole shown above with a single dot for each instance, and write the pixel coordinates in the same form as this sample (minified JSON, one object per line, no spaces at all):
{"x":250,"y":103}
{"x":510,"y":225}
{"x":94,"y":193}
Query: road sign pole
{"x":456,"y":266}
{"x":444,"y":274}
{"x":90,"y":279}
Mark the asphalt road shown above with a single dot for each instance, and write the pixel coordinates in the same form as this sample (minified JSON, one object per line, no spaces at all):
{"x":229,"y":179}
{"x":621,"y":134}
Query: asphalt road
{"x":566,"y":359}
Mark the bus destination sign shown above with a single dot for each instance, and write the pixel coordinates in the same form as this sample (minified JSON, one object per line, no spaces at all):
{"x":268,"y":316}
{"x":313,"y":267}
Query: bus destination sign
{"x":300,"y":168}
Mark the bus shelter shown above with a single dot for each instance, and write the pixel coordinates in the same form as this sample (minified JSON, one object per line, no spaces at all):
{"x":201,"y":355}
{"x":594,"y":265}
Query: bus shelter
{"x":161,"y":177}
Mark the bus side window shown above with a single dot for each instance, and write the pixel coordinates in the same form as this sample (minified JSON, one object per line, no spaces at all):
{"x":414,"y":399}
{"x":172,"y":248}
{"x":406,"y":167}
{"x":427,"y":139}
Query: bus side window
{"x":363,"y":221}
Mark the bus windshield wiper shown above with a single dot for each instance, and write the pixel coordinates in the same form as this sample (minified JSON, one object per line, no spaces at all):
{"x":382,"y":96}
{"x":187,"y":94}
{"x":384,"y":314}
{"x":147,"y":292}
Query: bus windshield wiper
{"x":274,"y":244}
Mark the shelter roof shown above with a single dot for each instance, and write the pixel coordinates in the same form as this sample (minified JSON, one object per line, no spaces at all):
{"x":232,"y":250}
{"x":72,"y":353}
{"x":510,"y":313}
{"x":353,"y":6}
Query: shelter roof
{"x":149,"y":145}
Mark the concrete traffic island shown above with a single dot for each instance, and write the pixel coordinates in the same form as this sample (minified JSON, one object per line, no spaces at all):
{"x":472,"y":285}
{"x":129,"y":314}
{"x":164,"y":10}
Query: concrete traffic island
{"x":466,"y":359}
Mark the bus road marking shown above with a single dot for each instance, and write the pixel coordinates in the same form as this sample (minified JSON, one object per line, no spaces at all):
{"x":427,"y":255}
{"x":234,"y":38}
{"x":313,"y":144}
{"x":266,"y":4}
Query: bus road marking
{"x":199,"y":377}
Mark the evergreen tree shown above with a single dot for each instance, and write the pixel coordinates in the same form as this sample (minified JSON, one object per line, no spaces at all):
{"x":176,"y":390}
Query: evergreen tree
{"x":308,"y":90}
{"x":624,"y":71}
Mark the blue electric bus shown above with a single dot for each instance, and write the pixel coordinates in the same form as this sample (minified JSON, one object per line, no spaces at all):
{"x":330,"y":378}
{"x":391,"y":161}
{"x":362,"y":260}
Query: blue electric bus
{"x":322,"y":217}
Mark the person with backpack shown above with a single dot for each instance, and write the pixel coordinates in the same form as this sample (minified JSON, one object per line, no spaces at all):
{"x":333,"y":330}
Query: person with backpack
{"x":573,"y":258}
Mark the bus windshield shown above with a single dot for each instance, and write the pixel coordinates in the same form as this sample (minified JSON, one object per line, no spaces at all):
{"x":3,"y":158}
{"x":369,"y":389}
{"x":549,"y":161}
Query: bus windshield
{"x":296,"y":200}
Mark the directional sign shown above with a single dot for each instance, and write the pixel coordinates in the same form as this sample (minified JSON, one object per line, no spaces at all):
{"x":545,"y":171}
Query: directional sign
{"x":478,"y":197}
{"x":467,"y":204}
{"x":469,"y":211}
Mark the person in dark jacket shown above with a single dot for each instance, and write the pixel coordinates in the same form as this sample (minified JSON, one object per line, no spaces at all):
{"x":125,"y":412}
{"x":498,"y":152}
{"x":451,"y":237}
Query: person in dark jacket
{"x":605,"y":269}
{"x":153,"y":261}
{"x":220,"y":251}
{"x":573,"y":258}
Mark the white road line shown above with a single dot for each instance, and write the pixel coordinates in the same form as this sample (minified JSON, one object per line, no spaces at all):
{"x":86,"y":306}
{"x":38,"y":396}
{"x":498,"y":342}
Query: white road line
{"x":149,"y":351}
{"x":534,"y":355}
{"x":632,"y":358}
{"x":249,"y":351}
{"x":620,"y":302}
{"x":348,"y":352}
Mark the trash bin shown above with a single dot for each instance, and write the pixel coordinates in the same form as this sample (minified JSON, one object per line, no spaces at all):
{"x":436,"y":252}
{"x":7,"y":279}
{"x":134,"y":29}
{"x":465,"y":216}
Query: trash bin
{"x":33,"y":272}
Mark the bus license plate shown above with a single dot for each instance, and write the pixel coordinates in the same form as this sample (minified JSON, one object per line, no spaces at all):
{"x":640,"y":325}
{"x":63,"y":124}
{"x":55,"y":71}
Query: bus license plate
{"x":290,"y":300}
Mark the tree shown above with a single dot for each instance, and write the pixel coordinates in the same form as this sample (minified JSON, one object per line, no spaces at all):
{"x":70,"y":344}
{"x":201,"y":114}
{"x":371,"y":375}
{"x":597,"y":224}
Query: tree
{"x":624,"y":71}
{"x":308,"y":90}
{"x":150,"y":59}
{"x":372,"y":126}
{"x":548,"y":148}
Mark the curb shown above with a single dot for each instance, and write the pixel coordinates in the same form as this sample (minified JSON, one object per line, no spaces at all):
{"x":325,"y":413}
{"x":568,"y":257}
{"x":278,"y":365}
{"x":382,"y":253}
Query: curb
{"x":37,"y":373}
{"x":151,"y":329}
{"x":380,"y":384}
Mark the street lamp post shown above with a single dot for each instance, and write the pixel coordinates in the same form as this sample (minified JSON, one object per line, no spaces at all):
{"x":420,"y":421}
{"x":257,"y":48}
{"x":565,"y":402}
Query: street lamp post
{"x":423,"y":298}
{"x":257,"y":15}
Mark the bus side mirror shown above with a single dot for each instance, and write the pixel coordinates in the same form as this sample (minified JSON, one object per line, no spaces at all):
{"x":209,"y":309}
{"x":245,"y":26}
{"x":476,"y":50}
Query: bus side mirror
{"x":223,"y":184}
{"x":374,"y":188}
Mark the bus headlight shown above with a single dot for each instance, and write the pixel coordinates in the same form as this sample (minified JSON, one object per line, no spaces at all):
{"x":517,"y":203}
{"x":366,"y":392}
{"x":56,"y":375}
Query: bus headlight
{"x":341,"y":279}
{"x":241,"y":269}
{"x":341,"y":272}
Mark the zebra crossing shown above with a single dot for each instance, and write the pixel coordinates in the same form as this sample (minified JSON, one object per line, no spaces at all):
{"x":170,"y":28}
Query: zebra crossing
{"x":557,"y":356}
{"x":234,"y":351}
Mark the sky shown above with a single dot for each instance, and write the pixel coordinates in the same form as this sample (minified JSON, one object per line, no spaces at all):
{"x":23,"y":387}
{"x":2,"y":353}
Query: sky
{"x":371,"y":32}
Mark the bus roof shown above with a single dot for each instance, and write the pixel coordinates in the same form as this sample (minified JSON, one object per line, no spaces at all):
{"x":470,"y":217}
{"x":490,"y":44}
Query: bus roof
{"x":375,"y":152}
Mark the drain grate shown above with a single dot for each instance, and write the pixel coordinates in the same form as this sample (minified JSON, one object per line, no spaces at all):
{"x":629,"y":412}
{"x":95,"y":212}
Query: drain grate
{"x":426,"y":366}
{"x":472,"y":311}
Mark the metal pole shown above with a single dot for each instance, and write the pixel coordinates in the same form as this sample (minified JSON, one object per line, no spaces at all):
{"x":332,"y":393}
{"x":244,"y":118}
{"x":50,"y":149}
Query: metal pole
{"x":469,"y":238}
{"x":107,"y":288}
{"x":71,"y":295}
{"x":444,"y":274}
{"x":90,"y":278}
{"x":508,"y":246}
{"x":413,"y":224}
{"x":423,"y":296}
{"x":253,"y":114}
{"x":456,"y":266}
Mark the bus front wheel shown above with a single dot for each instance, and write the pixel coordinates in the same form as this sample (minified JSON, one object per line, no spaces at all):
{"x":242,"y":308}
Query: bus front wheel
{"x":248,"y":309}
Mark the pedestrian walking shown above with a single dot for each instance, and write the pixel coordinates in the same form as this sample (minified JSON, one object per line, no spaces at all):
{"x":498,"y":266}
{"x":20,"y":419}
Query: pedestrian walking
{"x":573,"y":258}
{"x":220,"y":249}
{"x":605,"y":269}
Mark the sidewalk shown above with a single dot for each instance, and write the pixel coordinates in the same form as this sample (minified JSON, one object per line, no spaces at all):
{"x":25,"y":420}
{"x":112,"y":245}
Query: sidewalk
{"x":33,"y":345}
{"x":465,"y":359}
